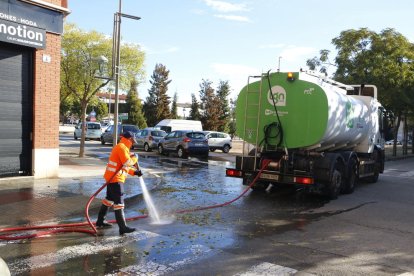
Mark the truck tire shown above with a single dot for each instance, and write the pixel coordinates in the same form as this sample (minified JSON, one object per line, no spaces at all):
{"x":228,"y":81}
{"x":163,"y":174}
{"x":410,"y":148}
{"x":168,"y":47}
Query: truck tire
{"x":374,"y":178}
{"x":352,"y":177}
{"x":333,"y":187}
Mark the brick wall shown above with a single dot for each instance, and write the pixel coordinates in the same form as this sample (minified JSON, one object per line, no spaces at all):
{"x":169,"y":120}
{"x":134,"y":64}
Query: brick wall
{"x":46,"y":94}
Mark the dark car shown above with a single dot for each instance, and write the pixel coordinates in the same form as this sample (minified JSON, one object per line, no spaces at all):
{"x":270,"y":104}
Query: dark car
{"x":148,"y":138}
{"x":184,"y":143}
{"x":108,"y":135}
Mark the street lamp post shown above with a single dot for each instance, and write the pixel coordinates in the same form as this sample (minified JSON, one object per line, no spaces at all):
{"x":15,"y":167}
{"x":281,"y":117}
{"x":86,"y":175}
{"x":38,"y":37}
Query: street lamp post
{"x":117,"y":57}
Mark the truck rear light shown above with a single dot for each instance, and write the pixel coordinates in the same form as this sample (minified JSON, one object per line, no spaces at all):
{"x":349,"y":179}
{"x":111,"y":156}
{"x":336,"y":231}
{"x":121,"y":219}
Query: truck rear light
{"x":303,"y":180}
{"x":186,"y":140}
{"x":233,"y":173}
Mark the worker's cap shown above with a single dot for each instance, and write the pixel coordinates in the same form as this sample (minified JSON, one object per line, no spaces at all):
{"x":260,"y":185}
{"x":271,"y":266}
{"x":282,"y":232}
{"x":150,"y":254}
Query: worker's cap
{"x":128,"y":135}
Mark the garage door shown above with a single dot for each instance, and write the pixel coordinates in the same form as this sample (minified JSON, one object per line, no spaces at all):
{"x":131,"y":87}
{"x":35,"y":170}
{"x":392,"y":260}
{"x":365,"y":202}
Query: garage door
{"x":16,"y":110}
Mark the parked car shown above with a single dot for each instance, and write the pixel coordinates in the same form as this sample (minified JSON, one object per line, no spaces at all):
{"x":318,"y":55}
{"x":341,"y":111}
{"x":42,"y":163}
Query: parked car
{"x":391,"y":142}
{"x":108,"y":135}
{"x":148,"y":138}
{"x":93,"y":131}
{"x":184,"y":143}
{"x":218,"y":140}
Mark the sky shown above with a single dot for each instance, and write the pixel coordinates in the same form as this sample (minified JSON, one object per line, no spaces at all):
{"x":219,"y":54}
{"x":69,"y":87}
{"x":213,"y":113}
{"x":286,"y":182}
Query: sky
{"x":230,"y":40}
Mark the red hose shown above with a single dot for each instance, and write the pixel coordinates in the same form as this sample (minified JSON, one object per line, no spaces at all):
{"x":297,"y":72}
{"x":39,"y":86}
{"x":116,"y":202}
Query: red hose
{"x":61,"y":228}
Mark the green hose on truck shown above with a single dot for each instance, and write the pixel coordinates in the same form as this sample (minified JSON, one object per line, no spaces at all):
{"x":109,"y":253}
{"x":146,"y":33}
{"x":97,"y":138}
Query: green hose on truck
{"x":315,"y":133}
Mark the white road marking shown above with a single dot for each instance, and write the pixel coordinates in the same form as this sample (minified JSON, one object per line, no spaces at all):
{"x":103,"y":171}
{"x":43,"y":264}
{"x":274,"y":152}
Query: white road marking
{"x":268,"y":269}
{"x":66,"y":253}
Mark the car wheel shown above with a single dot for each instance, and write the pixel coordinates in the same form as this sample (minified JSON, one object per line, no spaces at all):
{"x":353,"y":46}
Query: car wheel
{"x":212,"y":150}
{"x":102,"y":141}
{"x":161,"y":149}
{"x":181,"y":153}
{"x":226,"y":148}
{"x":75,"y":137}
{"x":147,"y":147}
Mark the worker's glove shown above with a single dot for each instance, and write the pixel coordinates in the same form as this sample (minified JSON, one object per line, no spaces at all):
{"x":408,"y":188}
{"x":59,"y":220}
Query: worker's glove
{"x":138,"y":173}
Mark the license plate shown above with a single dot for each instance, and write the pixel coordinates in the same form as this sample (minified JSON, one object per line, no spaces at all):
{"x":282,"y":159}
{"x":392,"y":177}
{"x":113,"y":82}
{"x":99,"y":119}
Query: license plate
{"x":198,"y":144}
{"x":269,"y":176}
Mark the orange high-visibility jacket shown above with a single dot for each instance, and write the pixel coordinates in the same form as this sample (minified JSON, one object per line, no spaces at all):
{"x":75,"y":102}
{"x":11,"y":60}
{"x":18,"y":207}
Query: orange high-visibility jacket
{"x":121,"y":162}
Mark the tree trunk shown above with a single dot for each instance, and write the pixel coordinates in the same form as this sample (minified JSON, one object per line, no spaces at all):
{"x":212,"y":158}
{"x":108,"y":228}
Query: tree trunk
{"x":397,"y":126}
{"x":84,"y":105}
{"x":405,"y":135}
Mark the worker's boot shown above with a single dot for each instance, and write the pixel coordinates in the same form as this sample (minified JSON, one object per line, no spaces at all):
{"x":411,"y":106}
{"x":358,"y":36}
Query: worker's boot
{"x":120,"y":219}
{"x":101,"y":222}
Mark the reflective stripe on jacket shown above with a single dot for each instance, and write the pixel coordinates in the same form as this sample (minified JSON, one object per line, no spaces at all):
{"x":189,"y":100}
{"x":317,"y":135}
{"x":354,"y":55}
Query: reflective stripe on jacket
{"x":121,"y":162}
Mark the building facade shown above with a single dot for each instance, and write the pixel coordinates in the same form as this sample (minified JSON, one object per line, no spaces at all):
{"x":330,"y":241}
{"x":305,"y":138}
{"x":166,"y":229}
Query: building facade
{"x":30,"y":51}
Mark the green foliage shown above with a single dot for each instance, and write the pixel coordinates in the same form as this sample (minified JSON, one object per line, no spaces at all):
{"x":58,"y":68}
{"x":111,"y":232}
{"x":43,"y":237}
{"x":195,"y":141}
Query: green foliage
{"x":134,"y":106}
{"x":223,"y":92}
{"x":211,"y":106}
{"x":174,"y":114}
{"x":156,"y":106}
{"x":195,"y":109}
{"x":79,"y":67}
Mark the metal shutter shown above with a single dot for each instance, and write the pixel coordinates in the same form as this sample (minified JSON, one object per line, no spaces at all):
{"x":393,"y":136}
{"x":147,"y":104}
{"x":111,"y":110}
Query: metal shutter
{"x":16,"y":110}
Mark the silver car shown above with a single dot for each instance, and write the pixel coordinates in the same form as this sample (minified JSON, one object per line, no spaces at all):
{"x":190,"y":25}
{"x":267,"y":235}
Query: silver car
{"x":92,"y":131}
{"x":218,"y":140}
{"x":148,"y":138}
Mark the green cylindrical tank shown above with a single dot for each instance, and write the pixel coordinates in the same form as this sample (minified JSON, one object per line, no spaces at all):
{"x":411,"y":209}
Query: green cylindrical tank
{"x":310,"y":111}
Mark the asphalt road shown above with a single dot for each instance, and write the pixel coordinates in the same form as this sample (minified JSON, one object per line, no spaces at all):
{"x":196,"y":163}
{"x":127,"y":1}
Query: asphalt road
{"x":283,"y":232}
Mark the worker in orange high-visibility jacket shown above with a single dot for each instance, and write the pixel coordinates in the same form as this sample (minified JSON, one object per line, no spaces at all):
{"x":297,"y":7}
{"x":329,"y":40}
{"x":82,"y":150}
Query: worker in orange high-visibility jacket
{"x":121,"y":163}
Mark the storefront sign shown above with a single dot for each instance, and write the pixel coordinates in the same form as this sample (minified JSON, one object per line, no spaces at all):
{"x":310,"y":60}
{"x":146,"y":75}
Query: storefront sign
{"x":31,"y":15}
{"x":25,"y":24}
{"x":21,"y":34}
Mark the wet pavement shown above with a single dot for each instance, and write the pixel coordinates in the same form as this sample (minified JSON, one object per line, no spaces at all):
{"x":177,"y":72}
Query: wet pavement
{"x":212,"y":235}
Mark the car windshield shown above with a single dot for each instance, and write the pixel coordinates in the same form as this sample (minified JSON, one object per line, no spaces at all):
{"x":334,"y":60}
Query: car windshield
{"x":158,"y":133}
{"x":131,"y":128}
{"x":94,"y":126}
{"x":195,"y":135}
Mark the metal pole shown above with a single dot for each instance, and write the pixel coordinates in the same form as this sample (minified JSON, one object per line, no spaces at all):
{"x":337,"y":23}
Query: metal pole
{"x":117,"y":62}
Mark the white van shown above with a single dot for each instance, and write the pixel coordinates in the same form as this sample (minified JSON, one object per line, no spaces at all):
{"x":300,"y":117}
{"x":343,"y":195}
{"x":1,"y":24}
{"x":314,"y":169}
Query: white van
{"x":169,"y":125}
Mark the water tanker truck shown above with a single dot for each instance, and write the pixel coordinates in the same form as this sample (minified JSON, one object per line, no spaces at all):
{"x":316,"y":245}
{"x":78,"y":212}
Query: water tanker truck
{"x":306,"y":130}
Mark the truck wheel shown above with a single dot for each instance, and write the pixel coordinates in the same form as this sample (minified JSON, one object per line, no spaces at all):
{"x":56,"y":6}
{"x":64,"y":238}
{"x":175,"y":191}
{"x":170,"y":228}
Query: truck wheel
{"x":374,"y":178}
{"x":334,"y":186}
{"x":226,"y":148}
{"x":258,"y":186}
{"x":352,"y":180}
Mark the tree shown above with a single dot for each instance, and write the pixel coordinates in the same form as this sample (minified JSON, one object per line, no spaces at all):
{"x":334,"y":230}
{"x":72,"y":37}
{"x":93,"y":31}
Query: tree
{"x":384,"y":59}
{"x":134,"y":107}
{"x":174,"y":114}
{"x":156,"y":106}
{"x":223,"y":92}
{"x":210,"y":104}
{"x":232,"y":124}
{"x":79,"y":67}
{"x":194,"y":111}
